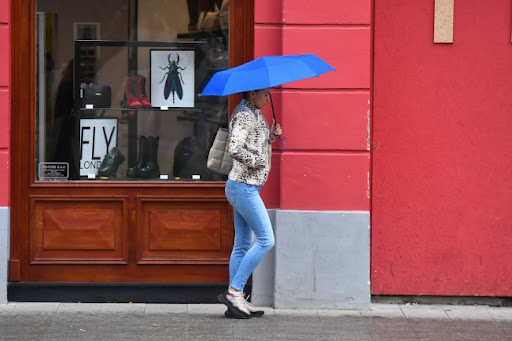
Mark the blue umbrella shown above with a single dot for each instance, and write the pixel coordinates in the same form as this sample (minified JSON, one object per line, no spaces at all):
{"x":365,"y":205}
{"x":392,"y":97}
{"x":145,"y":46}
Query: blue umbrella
{"x":265,"y":72}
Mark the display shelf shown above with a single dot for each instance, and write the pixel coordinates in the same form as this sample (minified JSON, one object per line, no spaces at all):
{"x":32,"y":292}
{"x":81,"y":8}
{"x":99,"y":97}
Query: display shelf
{"x":200,"y":49}
{"x":141,"y":109}
{"x":203,"y":34}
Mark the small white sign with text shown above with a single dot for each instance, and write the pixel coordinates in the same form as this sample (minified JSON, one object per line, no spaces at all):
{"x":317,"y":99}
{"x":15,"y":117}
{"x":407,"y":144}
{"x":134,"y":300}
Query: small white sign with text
{"x":97,"y":137}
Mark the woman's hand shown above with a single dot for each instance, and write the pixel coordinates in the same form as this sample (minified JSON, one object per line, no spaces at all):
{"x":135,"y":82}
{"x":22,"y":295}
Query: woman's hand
{"x":275,"y":130}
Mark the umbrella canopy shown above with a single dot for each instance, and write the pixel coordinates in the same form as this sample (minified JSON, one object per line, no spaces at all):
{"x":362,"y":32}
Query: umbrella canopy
{"x":265,"y":72}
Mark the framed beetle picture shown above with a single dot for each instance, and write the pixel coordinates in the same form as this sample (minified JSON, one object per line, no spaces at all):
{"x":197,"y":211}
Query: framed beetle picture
{"x":172,"y":78}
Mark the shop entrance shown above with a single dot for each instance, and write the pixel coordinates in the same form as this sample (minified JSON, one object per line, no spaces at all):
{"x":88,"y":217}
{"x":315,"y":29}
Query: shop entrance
{"x":108,"y":181}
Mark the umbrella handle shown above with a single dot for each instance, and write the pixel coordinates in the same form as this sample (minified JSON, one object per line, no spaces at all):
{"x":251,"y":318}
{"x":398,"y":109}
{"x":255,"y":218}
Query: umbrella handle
{"x":272,"y":103}
{"x":283,"y":148}
{"x":273,"y":113}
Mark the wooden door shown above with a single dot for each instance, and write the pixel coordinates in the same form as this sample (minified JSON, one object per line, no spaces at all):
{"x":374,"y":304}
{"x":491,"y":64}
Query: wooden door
{"x":111,"y":232}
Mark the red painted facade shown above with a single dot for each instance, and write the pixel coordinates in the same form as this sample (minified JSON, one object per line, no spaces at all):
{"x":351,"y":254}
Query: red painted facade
{"x":325,"y":119}
{"x":442,"y":184}
{"x":5,"y":107}
{"x":440,"y":166}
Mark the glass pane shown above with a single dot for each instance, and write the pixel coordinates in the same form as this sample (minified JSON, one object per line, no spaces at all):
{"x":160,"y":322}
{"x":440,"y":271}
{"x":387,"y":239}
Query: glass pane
{"x":118,"y":89}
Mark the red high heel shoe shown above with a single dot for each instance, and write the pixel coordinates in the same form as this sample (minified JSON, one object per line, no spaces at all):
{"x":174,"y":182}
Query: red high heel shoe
{"x":141,"y":92}
{"x":130,"y":92}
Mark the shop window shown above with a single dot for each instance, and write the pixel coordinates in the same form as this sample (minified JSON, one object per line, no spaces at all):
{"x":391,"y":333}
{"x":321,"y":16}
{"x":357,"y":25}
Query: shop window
{"x":118,"y":89}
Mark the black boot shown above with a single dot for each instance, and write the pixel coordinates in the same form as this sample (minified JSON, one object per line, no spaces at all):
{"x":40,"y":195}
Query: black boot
{"x":142,"y":158}
{"x":111,"y":162}
{"x":151,"y":169}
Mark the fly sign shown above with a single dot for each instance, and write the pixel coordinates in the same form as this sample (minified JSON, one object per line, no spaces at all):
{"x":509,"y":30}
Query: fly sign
{"x":97,"y":137}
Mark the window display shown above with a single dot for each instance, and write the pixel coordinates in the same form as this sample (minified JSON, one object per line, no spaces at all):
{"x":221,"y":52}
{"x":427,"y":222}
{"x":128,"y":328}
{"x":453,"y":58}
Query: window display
{"x":127,"y":104}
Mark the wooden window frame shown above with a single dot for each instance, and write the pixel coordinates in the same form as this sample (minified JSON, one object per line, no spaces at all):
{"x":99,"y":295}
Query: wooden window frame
{"x":23,"y":131}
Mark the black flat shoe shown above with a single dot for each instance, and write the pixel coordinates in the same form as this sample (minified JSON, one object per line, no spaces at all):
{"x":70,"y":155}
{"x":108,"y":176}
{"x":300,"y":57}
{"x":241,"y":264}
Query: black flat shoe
{"x":258,"y":313}
{"x":237,"y":313}
{"x":111,"y":162}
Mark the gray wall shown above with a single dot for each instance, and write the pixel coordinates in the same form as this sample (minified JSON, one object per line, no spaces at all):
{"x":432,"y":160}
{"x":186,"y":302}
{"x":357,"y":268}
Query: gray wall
{"x":4,"y":252}
{"x":320,"y":260}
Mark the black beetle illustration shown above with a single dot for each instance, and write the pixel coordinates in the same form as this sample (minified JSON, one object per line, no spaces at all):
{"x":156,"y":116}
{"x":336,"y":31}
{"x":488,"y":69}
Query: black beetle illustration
{"x":174,"y":78}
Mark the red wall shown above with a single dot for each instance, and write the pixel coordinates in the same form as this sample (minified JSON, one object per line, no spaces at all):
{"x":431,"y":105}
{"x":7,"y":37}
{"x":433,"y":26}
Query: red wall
{"x":325,"y":119}
{"x":442,"y":151}
{"x":5,"y":108}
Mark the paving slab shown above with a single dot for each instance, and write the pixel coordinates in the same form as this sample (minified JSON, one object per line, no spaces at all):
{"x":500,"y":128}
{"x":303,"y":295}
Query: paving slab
{"x":384,"y":310}
{"x":333,"y":312}
{"x":469,"y":312}
{"x":7,"y":308}
{"x":207,"y":309}
{"x":343,"y":323}
{"x":166,"y":309}
{"x":82,"y":308}
{"x":35,"y":308}
{"x":426,"y":324}
{"x":501,"y":313}
{"x":295,"y":312}
{"x":124,"y":308}
{"x":431,"y":311}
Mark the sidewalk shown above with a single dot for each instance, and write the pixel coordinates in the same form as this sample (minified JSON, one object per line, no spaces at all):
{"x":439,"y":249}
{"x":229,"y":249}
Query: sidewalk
{"x":196,"y":322}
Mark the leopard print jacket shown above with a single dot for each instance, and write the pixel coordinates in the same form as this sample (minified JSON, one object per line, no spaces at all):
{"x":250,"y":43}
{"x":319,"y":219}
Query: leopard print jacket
{"x":249,"y":145}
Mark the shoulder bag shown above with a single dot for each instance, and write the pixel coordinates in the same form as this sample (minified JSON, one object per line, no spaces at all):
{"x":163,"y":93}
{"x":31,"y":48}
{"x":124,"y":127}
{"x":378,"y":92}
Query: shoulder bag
{"x":219,"y":159}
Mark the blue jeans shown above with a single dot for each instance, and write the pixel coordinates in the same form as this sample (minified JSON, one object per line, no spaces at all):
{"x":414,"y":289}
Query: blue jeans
{"x":251,"y":218}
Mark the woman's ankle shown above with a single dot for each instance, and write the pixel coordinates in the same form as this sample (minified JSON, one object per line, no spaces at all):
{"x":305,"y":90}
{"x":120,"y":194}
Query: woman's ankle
{"x":233,"y":291}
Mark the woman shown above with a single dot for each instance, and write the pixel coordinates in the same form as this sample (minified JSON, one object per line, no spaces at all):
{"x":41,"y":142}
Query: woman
{"x":249,"y":146}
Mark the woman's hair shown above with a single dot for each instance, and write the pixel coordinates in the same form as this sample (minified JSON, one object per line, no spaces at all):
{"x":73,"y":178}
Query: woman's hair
{"x":245,"y":94}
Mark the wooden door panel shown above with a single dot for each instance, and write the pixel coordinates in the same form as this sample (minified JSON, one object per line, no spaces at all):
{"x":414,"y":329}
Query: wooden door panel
{"x":184,"y":229}
{"x":78,"y":230}
{"x":60,"y":231}
{"x":180,"y":230}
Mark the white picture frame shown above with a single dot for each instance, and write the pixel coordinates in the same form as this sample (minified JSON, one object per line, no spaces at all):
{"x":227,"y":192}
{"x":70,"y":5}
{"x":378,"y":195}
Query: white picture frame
{"x":86,"y":31}
{"x":172,"y":78}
